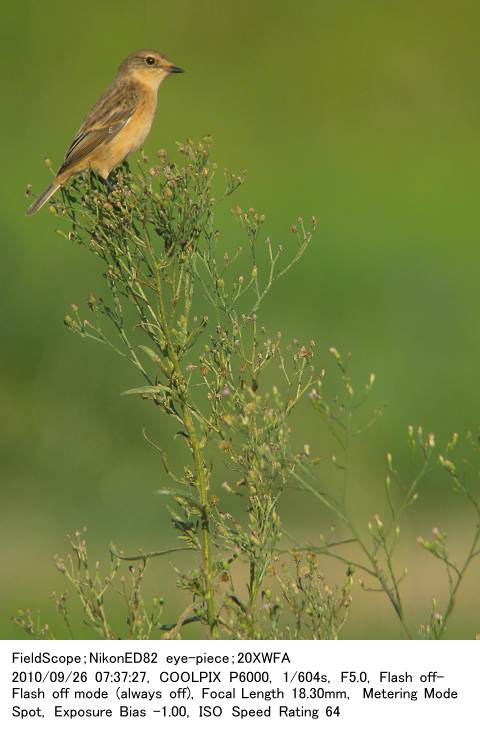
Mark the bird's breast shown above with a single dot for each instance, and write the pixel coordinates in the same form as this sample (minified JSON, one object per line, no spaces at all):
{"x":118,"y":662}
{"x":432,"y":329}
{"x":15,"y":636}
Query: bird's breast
{"x":139,"y":125}
{"x":133,"y":135}
{"x":129,"y":139}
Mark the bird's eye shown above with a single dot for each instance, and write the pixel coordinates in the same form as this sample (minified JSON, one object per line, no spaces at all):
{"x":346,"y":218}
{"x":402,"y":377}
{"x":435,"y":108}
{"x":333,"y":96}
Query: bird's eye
{"x":150,"y":61}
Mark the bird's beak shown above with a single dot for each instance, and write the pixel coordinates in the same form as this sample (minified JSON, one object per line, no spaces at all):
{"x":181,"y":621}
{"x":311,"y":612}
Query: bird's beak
{"x":174,"y":70}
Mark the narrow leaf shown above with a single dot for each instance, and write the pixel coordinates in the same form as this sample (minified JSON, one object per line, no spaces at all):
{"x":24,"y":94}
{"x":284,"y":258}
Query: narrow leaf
{"x":146,"y":390}
{"x":183,"y":494}
{"x":151,"y":354}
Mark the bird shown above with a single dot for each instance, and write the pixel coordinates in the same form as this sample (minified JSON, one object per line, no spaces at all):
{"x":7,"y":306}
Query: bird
{"x":119,"y":122}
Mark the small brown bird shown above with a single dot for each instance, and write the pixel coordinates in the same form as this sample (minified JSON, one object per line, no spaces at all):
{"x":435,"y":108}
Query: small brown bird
{"x":118,"y":123}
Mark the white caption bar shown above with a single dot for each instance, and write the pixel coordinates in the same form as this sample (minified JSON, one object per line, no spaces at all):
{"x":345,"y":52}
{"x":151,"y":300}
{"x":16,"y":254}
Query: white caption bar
{"x":200,"y":684}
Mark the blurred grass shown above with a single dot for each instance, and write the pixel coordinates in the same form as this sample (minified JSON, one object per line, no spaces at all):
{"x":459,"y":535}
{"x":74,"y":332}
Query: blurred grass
{"x":365,"y":114}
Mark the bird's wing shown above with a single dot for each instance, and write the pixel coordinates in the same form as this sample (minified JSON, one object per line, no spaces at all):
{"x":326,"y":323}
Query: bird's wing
{"x":109,"y":115}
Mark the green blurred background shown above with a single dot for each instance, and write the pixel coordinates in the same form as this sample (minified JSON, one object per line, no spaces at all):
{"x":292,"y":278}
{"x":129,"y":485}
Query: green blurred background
{"x":364,"y":113}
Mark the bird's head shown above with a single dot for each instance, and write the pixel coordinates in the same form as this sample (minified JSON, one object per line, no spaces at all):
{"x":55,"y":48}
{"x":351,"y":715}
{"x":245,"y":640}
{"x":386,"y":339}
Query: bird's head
{"x":148,"y":67}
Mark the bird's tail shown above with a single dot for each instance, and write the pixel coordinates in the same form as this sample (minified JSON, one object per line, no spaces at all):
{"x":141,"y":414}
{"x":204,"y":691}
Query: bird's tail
{"x":46,"y":195}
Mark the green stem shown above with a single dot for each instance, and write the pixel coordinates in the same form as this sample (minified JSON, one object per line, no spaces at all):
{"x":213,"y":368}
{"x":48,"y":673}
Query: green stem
{"x":200,"y":472}
{"x":453,"y":593}
{"x":376,"y":571}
